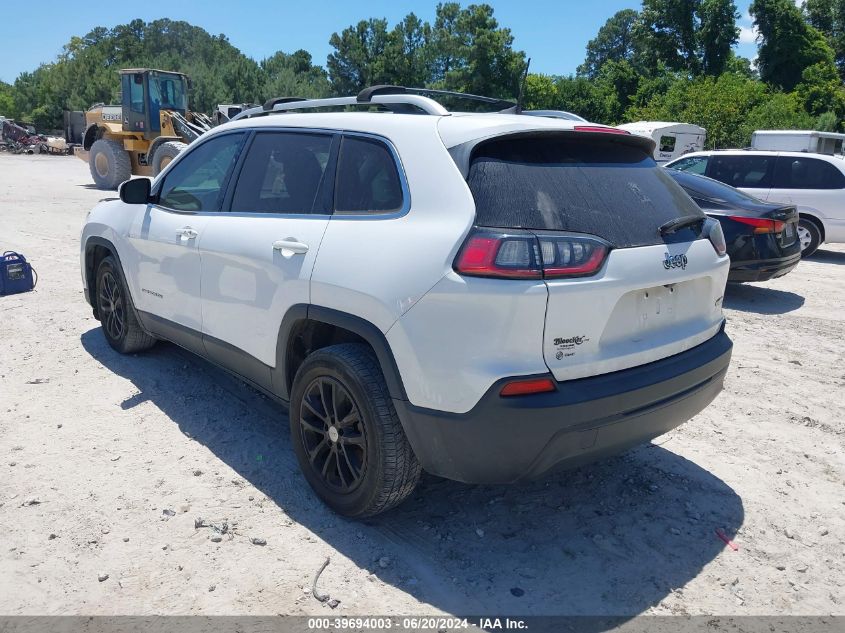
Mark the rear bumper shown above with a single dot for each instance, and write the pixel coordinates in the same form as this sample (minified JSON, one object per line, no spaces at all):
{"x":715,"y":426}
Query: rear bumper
{"x":504,"y":440}
{"x":762,"y":269}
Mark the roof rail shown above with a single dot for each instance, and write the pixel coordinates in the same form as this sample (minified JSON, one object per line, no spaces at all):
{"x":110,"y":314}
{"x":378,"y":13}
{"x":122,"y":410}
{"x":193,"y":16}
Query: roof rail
{"x":271,"y":103}
{"x":394,"y":98}
{"x":404,"y":103}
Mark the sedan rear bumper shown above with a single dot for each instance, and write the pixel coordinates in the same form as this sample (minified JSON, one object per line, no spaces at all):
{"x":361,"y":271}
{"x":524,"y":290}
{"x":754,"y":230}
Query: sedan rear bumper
{"x":762,"y":269}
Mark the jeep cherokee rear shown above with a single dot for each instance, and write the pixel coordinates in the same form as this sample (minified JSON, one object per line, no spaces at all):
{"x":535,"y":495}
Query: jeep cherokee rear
{"x":486,"y":297}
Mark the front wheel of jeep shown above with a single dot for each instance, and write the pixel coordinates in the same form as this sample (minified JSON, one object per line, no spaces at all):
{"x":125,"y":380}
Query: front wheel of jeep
{"x":116,"y":312}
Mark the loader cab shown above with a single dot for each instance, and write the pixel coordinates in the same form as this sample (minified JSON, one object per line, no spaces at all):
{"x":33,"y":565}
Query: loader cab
{"x":145,"y":93}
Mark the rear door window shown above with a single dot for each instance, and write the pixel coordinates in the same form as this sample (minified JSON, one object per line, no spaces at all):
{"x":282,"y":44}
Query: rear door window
{"x":605,"y":188}
{"x":367,"y":179}
{"x":752,"y":172}
{"x":806,"y":173}
{"x":692,"y":164}
{"x":282,"y":173}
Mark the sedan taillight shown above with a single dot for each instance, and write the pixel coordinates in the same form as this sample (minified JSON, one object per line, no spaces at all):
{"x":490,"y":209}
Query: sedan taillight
{"x":760,"y":225}
{"x":530,"y":255}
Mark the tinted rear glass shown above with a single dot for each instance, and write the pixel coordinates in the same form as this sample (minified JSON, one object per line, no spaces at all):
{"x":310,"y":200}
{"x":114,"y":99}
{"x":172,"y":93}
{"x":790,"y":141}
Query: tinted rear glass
{"x":713,"y":190}
{"x":603,"y":188}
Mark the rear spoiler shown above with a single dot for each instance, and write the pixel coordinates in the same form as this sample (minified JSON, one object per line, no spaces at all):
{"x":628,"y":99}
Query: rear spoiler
{"x":462,"y":154}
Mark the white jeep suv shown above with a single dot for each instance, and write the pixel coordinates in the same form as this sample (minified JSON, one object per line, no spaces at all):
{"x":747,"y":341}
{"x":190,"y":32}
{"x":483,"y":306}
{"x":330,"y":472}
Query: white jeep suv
{"x":484,"y":296}
{"x":815,"y":183}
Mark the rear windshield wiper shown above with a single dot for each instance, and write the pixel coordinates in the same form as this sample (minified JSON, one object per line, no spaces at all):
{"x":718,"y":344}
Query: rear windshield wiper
{"x":676,"y":224}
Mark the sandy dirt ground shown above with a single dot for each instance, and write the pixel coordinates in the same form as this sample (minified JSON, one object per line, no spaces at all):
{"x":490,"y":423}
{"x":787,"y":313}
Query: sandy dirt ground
{"x":107,"y":462}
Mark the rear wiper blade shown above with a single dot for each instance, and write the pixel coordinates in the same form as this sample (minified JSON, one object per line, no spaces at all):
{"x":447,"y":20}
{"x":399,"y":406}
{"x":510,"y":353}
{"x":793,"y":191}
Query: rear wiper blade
{"x":676,"y":224}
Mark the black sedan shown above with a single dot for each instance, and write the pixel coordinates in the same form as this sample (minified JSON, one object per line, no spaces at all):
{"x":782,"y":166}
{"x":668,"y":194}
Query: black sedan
{"x":762,"y":237}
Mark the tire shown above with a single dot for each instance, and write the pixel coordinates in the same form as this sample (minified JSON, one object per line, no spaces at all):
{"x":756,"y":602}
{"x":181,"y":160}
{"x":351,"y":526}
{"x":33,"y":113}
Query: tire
{"x":116,"y":312}
{"x":364,"y":465}
{"x":109,"y":163}
{"x":165,"y":153}
{"x":810,"y":236}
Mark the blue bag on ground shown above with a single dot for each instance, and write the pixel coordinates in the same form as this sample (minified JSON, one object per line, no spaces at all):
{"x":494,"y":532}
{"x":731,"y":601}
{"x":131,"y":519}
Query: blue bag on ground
{"x":16,"y":274}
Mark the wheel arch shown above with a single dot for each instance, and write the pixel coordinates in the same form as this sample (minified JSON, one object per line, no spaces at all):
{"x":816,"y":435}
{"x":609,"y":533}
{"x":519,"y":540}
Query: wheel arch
{"x":92,"y":133}
{"x":815,"y":219}
{"x":96,"y":250}
{"x":314,"y":327}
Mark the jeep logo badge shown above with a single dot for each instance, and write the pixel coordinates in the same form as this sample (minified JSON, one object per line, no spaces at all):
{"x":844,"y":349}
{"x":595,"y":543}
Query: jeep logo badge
{"x":675,"y":261}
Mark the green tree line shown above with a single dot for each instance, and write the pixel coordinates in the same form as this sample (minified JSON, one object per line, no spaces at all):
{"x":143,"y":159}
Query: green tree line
{"x":670,"y":60}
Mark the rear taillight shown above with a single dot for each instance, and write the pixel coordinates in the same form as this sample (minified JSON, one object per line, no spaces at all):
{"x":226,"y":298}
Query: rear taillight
{"x":528,"y":255}
{"x":761,"y":225}
{"x":713,"y":230}
{"x":527,"y":387}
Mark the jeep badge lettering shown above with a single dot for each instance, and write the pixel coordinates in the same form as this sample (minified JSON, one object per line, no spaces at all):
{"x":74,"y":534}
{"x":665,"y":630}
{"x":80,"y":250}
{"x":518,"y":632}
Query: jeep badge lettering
{"x":675,"y":261}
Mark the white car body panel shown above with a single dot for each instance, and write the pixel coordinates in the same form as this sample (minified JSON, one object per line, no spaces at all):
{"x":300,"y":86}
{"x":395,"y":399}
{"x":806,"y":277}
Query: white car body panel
{"x":247,"y":285}
{"x":635,"y":311}
{"x":165,"y":264}
{"x":465,"y":334}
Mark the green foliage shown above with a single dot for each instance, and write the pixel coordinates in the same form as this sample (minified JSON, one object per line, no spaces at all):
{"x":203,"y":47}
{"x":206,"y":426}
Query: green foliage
{"x":827,"y":122}
{"x":464,"y":50}
{"x":7,"y":101}
{"x":717,"y":33}
{"x":730,"y":107}
{"x":294,"y":75}
{"x":694,"y":36}
{"x":828,"y":17}
{"x":820,"y":90}
{"x":615,"y":41}
{"x":788,"y":44}
{"x":540,"y":92}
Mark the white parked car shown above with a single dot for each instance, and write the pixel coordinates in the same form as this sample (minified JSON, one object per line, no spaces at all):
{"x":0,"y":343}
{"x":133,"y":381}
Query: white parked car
{"x":484,"y":296}
{"x":815,"y":183}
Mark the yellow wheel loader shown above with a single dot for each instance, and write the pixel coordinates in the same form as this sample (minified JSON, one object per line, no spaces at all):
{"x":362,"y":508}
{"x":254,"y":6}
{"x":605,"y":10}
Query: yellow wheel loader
{"x":145,"y":132}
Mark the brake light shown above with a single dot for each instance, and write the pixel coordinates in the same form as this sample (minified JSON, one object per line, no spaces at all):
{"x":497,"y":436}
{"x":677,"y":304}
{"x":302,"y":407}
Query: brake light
{"x":527,"y":387}
{"x":528,"y":255}
{"x":600,"y":129}
{"x":761,"y":225}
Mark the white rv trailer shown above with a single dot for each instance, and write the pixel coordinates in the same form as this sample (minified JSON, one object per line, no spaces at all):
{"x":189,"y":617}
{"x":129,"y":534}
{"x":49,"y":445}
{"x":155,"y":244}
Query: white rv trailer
{"x":798,"y":141}
{"x":673,"y":139}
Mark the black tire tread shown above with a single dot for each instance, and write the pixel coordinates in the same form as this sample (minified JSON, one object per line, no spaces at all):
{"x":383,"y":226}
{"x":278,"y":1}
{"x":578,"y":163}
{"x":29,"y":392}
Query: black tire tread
{"x":123,"y":166}
{"x":402,"y":470}
{"x":816,"y":232}
{"x":168,"y":148}
{"x":136,"y":338}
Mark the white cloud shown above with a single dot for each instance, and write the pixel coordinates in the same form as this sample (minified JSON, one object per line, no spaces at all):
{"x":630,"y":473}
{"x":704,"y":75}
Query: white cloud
{"x":747,"y":35}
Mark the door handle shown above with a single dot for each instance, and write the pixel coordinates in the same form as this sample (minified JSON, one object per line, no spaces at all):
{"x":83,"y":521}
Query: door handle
{"x":187,"y":233}
{"x":290,"y":246}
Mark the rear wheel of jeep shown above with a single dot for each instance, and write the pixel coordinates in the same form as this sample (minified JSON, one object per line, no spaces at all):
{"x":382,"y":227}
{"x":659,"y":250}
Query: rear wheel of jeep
{"x":116,"y":312}
{"x":346,"y":434}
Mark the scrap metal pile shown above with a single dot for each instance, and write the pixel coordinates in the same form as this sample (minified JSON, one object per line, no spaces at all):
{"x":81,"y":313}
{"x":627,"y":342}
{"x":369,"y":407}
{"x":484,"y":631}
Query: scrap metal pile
{"x":19,"y":140}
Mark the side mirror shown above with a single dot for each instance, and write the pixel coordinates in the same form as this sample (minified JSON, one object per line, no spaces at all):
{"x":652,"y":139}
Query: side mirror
{"x":135,"y":191}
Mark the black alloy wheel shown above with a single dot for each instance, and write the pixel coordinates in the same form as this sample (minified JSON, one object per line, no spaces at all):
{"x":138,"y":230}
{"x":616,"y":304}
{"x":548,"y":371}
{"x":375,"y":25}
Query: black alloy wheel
{"x":333,"y":434}
{"x":111,"y":306}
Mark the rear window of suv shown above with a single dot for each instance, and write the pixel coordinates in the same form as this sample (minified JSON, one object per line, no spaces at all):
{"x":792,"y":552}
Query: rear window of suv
{"x":605,"y":188}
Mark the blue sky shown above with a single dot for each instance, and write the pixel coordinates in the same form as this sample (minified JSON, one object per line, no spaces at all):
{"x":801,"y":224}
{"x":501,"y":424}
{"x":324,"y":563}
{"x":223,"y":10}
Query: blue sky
{"x":553,"y":33}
